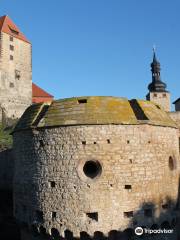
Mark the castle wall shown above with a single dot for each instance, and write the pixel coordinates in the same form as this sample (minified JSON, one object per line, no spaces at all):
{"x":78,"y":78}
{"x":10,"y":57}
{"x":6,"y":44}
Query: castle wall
{"x":136,"y":180}
{"x":15,"y":75}
{"x":176,"y":117}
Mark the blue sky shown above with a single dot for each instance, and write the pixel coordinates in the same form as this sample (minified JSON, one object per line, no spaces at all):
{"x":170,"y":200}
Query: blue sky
{"x":99,"y":47}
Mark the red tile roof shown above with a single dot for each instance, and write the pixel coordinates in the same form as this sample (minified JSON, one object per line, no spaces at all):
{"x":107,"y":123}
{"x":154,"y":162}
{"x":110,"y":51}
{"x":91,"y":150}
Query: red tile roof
{"x":7,"y":26}
{"x":39,"y":92}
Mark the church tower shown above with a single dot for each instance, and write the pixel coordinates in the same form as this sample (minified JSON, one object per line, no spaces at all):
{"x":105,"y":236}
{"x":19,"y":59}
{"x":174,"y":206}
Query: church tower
{"x":157,"y":88}
{"x":15,"y":70}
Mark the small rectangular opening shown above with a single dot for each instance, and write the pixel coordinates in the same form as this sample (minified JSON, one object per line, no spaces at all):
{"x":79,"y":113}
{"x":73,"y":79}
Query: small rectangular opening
{"x":165,"y":206}
{"x":17,"y":74}
{"x":53,"y":215}
{"x":108,"y":141}
{"x":128,"y":187}
{"x":53,"y":184}
{"x":39,"y":216}
{"x":93,"y":216}
{"x":148,"y":212}
{"x":11,"y":38}
{"x":41,"y":143}
{"x":128,"y":214}
{"x":80,"y":101}
{"x":83,"y":142}
{"x":11,"y":47}
{"x":11,"y":85}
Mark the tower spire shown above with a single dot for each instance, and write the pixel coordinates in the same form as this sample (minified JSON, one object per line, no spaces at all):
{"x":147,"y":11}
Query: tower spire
{"x":154,"y":54}
{"x":156,"y":85}
{"x":157,"y":88}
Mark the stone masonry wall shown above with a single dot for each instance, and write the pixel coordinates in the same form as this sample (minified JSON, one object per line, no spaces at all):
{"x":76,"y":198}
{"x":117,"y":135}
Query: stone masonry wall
{"x":136,"y":182}
{"x":15,"y":76}
{"x":160,"y":98}
{"x":176,"y":117}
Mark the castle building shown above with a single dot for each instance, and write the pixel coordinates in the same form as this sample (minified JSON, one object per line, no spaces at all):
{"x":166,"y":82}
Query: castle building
{"x":16,"y":89}
{"x":85,"y":167}
{"x":88,"y":166}
{"x":15,"y":69}
{"x":157,"y":88}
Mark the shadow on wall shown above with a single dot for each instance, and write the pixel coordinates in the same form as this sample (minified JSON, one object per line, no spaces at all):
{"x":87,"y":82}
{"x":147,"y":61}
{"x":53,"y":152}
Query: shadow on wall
{"x":147,"y":217}
{"x":6,"y":169}
{"x":8,"y":227}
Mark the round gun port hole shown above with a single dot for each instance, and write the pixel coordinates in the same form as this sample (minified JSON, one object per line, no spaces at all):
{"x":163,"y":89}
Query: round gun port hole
{"x":92,"y":169}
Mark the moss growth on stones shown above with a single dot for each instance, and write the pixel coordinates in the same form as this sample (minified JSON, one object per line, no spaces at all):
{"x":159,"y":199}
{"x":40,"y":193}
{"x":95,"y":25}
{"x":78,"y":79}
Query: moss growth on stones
{"x":5,"y":137}
{"x":91,"y":111}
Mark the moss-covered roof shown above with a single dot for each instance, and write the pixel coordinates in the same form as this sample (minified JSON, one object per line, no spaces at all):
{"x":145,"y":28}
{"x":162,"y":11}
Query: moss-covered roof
{"x":93,"y":110}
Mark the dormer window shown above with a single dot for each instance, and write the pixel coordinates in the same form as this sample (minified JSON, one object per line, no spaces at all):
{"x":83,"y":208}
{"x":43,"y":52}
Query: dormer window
{"x":14,"y":31}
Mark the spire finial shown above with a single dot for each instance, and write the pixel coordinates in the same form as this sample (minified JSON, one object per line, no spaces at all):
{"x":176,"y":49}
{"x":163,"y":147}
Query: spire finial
{"x":154,"y":53}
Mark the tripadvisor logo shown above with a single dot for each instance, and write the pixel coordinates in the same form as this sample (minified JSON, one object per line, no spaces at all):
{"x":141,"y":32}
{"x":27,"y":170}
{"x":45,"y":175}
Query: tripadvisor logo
{"x":140,"y":231}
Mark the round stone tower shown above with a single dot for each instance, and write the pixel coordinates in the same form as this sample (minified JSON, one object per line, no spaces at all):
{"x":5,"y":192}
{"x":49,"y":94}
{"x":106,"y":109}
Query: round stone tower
{"x":94,"y":166}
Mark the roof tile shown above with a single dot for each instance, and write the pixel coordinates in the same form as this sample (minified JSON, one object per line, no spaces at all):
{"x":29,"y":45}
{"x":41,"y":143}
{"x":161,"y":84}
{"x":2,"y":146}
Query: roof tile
{"x":7,"y":26}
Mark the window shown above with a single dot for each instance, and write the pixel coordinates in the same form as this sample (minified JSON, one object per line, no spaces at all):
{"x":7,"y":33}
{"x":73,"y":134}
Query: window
{"x":108,"y":141}
{"x":155,"y":95}
{"x":172,"y":163}
{"x":128,"y":214}
{"x":41,"y":143}
{"x":92,"y":169}
{"x":17,"y":74}
{"x":53,"y":215}
{"x":11,"y":57}
{"x":82,"y":101}
{"x":11,"y":85}
{"x":11,"y":47}
{"x":11,"y":38}
{"x":93,"y":216}
{"x":129,"y":187}
{"x":83,"y":142}
{"x":164,"y":95}
{"x":165,"y":206}
{"x":53,"y":184}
